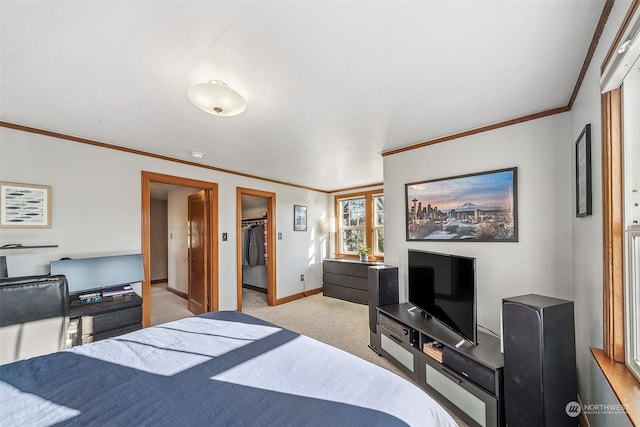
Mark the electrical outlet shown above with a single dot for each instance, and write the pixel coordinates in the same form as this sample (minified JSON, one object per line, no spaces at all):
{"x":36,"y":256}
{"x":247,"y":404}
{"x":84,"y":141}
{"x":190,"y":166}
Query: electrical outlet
{"x":302,"y":277}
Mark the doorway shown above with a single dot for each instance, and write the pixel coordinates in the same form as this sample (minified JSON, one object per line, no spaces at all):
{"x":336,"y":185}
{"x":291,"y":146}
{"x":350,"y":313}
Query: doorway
{"x":256,"y":252}
{"x":209,"y":255}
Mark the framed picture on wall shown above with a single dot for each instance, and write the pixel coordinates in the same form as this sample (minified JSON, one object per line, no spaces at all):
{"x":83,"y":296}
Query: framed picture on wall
{"x":299,"y":218}
{"x":583,"y":172}
{"x":479,"y":207}
{"x":25,"y":205}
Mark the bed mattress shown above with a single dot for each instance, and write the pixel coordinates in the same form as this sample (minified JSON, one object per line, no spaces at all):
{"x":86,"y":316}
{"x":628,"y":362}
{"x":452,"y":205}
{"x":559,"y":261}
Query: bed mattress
{"x":221,"y":369}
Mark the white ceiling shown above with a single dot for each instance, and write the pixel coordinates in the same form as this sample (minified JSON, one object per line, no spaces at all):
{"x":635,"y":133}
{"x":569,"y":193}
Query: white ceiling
{"x":329,"y":84}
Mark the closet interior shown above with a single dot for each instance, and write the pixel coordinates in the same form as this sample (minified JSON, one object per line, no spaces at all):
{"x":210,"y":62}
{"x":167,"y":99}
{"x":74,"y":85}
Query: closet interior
{"x":254,"y":243}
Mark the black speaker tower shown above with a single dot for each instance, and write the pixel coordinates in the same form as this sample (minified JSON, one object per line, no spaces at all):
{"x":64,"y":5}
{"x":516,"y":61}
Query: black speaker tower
{"x":540,"y":380}
{"x":382,"y":290}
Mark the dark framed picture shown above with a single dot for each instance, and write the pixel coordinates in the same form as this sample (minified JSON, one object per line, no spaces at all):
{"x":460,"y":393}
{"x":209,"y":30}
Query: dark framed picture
{"x":299,"y":218}
{"x":583,"y":172}
{"x":480,"y":207}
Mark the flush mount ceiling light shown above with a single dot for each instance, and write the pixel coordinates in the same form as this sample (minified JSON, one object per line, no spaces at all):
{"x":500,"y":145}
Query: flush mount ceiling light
{"x":197,"y":154}
{"x":216,"y":98}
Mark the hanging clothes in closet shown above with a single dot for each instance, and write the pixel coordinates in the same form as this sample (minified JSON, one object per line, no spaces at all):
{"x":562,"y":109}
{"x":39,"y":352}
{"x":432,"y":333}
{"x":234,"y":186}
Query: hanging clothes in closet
{"x":254,"y":253}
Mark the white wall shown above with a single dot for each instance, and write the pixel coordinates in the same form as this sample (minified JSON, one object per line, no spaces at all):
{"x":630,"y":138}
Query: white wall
{"x":96,"y":195}
{"x":540,"y":262}
{"x":178,"y":246}
{"x":159,"y":257}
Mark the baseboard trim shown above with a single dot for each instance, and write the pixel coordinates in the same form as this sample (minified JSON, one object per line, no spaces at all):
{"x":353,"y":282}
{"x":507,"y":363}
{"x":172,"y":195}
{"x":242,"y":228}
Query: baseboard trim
{"x":255,"y":288}
{"x":177,"y":292}
{"x":300,"y":295}
{"x":582,"y":418}
{"x":312,"y":292}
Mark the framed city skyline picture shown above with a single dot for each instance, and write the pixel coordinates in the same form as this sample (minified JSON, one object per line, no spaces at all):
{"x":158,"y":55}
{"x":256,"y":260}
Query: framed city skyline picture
{"x":480,"y":207}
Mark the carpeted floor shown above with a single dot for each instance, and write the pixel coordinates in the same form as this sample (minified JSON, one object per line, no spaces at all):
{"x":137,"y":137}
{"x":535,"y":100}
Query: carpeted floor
{"x":342,"y":324}
{"x":166,"y":306}
{"x":339,"y":323}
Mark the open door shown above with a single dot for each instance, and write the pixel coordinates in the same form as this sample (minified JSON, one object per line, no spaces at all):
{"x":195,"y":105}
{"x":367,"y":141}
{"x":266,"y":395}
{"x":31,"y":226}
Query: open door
{"x":211,"y":302}
{"x":198,"y":240}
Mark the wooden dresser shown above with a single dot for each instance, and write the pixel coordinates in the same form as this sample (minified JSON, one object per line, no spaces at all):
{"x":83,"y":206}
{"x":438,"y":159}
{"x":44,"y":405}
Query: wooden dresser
{"x":347,"y":279}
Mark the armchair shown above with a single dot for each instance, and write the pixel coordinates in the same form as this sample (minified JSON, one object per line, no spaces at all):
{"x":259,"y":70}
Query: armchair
{"x":34,"y":316}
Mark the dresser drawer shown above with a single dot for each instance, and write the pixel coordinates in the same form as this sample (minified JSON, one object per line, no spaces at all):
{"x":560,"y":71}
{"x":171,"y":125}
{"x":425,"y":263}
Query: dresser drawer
{"x":453,"y":390}
{"x":399,"y":352}
{"x":356,"y":269}
{"x":346,"y":281}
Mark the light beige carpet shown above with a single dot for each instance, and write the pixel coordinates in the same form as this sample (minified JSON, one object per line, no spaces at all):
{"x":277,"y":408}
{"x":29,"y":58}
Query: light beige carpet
{"x":166,"y":306}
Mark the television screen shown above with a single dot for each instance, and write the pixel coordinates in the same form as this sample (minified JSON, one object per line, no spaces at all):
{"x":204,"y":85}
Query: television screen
{"x":95,"y":273}
{"x":443,"y":286}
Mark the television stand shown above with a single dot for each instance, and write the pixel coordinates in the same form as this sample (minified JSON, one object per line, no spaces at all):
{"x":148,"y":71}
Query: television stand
{"x":108,"y":318}
{"x":465,"y":378}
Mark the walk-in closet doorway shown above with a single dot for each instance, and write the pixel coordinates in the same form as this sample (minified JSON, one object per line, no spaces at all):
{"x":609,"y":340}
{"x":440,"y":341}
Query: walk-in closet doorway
{"x":256,"y":258}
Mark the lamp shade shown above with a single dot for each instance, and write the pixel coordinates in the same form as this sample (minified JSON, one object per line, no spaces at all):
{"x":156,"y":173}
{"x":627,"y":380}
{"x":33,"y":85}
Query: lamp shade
{"x":216,"y":98}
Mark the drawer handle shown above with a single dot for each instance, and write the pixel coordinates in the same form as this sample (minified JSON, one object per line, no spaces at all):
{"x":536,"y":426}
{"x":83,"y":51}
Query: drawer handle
{"x":396,"y":339}
{"x":451,"y":376}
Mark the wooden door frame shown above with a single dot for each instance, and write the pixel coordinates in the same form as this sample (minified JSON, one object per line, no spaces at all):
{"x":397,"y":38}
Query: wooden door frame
{"x":211,"y":191}
{"x":271,"y":243}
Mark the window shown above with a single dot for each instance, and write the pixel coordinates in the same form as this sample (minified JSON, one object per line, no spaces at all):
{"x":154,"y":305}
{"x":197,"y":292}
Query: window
{"x":352,"y":224}
{"x":378,"y":225}
{"x":633,"y":304}
{"x":631,"y":185}
{"x":360,"y":221}
{"x":621,"y":200}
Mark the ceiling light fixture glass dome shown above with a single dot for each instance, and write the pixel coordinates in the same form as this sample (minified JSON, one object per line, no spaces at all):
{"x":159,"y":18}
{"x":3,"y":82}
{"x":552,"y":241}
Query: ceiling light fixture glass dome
{"x":216,"y":98}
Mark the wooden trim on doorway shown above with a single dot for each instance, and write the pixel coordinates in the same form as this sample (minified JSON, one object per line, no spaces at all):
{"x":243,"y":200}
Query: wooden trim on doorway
{"x":211,"y":190}
{"x":271,"y":243}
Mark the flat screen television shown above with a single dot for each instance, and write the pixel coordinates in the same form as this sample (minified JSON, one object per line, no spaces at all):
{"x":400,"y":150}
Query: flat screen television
{"x":444,"y":287}
{"x":84,"y":274}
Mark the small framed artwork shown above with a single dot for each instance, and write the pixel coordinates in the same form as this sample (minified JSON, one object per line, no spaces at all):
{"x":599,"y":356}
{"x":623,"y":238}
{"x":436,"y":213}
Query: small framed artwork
{"x":479,"y":207}
{"x":25,"y":205}
{"x":583,"y":172}
{"x":299,"y":218}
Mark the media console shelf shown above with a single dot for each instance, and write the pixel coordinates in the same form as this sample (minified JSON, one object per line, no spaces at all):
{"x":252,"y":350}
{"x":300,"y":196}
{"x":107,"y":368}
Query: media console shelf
{"x":468,"y":381}
{"x":99,"y":320}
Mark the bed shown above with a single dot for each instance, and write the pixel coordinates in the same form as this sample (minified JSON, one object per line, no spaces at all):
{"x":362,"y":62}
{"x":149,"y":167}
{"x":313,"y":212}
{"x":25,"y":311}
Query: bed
{"x":224,"y":368}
